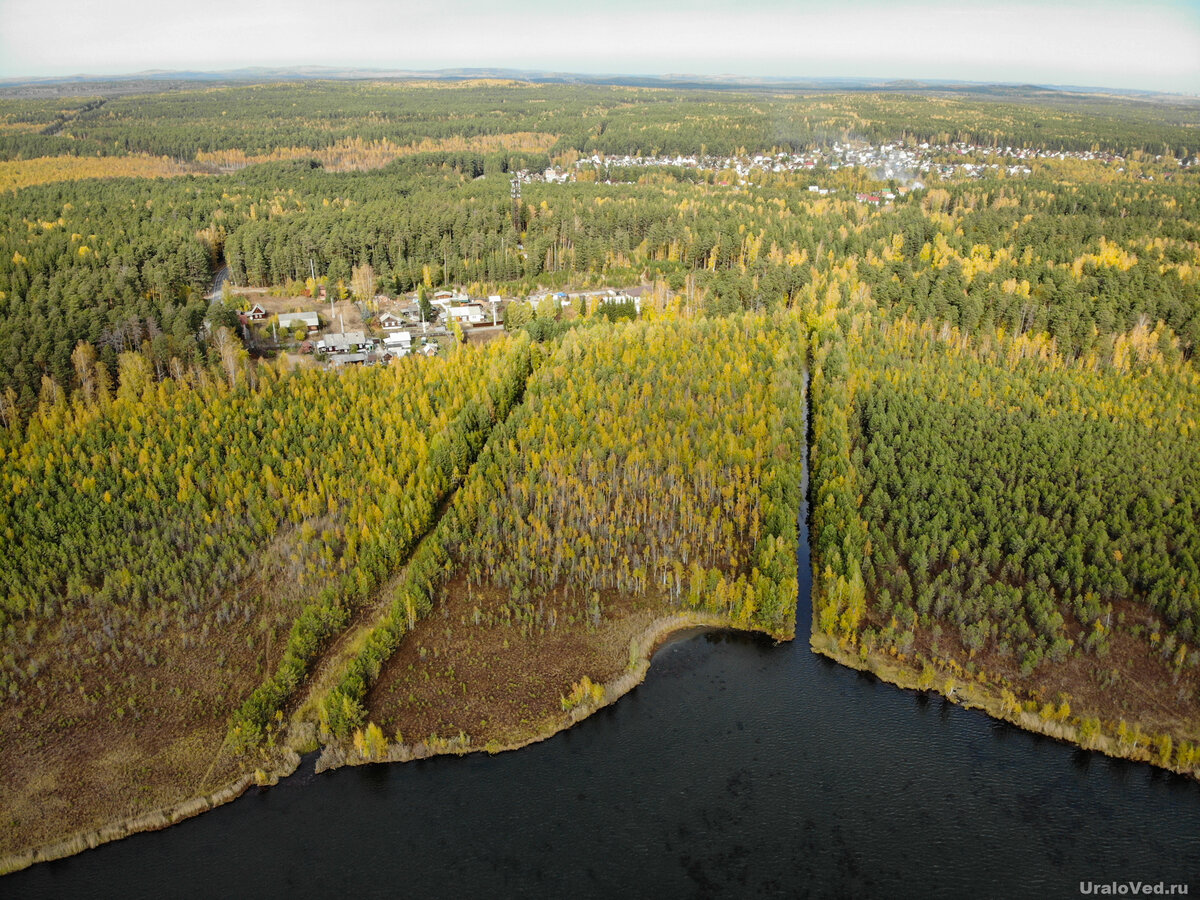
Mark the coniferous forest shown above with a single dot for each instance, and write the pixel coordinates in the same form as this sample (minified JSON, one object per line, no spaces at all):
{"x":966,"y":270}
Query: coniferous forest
{"x":980,"y":314}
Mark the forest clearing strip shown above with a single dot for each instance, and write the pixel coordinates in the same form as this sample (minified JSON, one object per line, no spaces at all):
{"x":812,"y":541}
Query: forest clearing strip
{"x":658,"y":634}
{"x":55,"y":128}
{"x":452,"y":452}
{"x":329,"y":669}
{"x":118,"y":797}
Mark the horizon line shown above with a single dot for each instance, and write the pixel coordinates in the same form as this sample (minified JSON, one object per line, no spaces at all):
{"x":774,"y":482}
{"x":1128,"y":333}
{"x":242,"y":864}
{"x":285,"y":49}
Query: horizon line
{"x":302,"y":71}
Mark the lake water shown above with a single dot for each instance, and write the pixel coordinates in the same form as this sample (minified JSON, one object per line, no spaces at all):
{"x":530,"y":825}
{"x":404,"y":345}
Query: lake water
{"x":740,"y":768}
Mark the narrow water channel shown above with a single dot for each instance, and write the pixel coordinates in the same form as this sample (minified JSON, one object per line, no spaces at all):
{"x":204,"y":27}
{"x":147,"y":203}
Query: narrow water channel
{"x":740,"y":768}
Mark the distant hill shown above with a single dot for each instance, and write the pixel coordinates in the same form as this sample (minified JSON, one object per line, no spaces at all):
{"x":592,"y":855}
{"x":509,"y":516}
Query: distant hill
{"x":162,"y":79}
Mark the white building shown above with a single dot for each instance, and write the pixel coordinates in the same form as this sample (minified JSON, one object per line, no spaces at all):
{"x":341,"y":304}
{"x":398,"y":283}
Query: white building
{"x":449,"y":298}
{"x":398,"y":344}
{"x":470,"y":314}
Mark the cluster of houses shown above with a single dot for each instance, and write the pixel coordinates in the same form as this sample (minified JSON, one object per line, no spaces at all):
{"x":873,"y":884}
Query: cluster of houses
{"x":899,"y":160}
{"x":345,"y":348}
{"x":874,"y":197}
{"x":310,"y":321}
{"x":460,"y":308}
{"x":341,"y":347}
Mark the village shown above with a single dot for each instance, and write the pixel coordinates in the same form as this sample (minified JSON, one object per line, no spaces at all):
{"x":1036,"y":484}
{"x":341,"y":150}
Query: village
{"x":315,"y":330}
{"x":354,"y":331}
{"x":349,"y":332}
{"x":905,"y":163}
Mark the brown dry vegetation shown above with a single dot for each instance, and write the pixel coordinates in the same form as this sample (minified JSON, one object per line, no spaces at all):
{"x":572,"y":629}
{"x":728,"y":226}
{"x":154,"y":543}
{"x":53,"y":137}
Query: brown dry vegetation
{"x":481,"y":335}
{"x":500,"y":681}
{"x":126,"y":738}
{"x":109,"y":737}
{"x":1130,"y":682}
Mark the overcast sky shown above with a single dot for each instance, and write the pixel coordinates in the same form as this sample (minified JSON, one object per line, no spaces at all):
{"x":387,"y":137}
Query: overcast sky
{"x":1151,"y":45}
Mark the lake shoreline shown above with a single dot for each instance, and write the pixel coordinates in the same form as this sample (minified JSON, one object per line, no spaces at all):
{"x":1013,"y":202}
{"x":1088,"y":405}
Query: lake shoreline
{"x":660,"y":633}
{"x":155,"y":820}
{"x":972,"y":695}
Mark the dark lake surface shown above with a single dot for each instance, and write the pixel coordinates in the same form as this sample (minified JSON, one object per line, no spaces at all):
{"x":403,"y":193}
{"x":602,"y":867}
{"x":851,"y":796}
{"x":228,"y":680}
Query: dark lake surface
{"x":740,"y":768}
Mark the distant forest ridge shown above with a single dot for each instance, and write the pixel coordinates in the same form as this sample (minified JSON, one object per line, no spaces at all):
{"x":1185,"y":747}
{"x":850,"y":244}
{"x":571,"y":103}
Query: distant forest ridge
{"x":161,"y":79}
{"x":193,"y":118}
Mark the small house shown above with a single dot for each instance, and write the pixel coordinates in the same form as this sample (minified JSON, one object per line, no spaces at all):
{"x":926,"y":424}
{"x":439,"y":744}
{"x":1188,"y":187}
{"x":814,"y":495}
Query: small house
{"x":400,"y":341}
{"x":470,"y":314}
{"x":346,"y":342}
{"x":390,"y":322}
{"x":310,"y":320}
{"x":256,"y":313}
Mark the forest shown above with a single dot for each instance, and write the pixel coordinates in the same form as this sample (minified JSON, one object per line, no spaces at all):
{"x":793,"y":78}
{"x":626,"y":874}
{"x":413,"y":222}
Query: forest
{"x":215,"y":554}
{"x":998,"y":510}
{"x":181,"y":550}
{"x":1077,"y":250}
{"x":259,"y":119}
{"x":680,"y":485}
